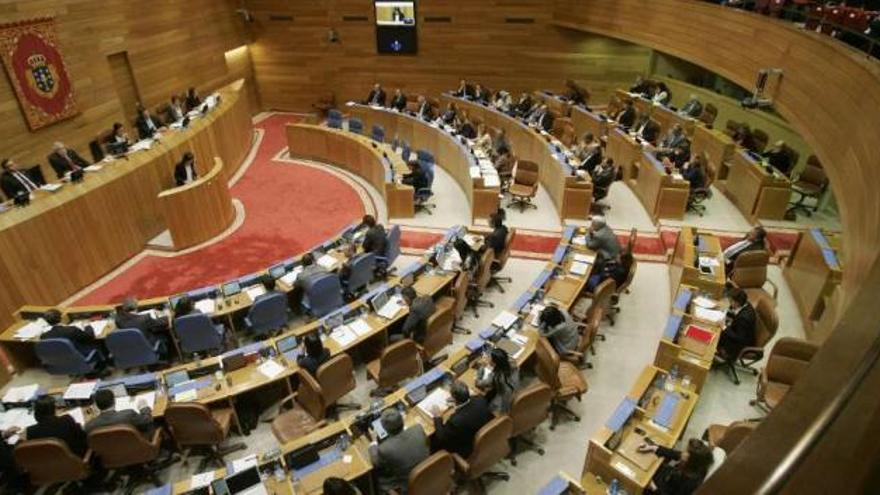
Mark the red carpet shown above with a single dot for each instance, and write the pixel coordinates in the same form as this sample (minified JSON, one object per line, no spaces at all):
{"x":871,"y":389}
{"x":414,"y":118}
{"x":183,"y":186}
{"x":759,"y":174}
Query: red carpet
{"x":288,"y":209}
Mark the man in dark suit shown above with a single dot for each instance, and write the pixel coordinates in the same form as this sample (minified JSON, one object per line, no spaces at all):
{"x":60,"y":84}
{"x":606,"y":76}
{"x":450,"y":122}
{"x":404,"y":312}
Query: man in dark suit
{"x":64,"y":160}
{"x":693,"y":108}
{"x":647,"y":129}
{"x":753,"y":241}
{"x":420,"y":310}
{"x":779,"y":158}
{"x":523,"y":105}
{"x":147,"y":125}
{"x":399,"y":453}
{"x":175,"y":110}
{"x":603,"y":176}
{"x":417,"y":178}
{"x":544,"y":119}
{"x":399,"y":101}
{"x":185,"y":170}
{"x":109,"y":416}
{"x":481,"y":95}
{"x":740,"y":329}
{"x":592,"y":157}
{"x":375,"y":240}
{"x":63,"y":428}
{"x":128,"y":317}
{"x":14,"y":181}
{"x":376,"y":96}
{"x":464,"y":90}
{"x":456,"y":434}
{"x":425,"y":112}
{"x":497,"y":239}
{"x":627,"y":116}
{"x":83,"y":340}
{"x":673,"y":139}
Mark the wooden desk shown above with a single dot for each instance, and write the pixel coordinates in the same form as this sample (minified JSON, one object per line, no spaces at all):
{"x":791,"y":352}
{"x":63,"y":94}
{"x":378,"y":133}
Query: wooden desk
{"x":662,"y":115}
{"x":717,"y":146}
{"x":450,"y":153}
{"x":624,"y":150}
{"x":198,"y":211}
{"x":755,"y":191}
{"x":585,"y":121}
{"x":357,"y":154}
{"x":273,"y":486}
{"x":554,"y":102}
{"x":571,"y":196}
{"x":682,"y":266}
{"x":663,"y":195}
{"x":112,"y":214}
{"x":813,"y":272}
{"x":696,"y":366}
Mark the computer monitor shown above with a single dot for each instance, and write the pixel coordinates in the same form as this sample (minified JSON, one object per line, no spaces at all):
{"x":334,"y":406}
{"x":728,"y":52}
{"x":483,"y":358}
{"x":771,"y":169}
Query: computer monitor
{"x":333,"y":321}
{"x":176,"y":377}
{"x":277,"y":271}
{"x":379,"y":301}
{"x":219,"y":487}
{"x":286,"y":344}
{"x":302,"y":457}
{"x":243,"y":480}
{"x":231,"y":288}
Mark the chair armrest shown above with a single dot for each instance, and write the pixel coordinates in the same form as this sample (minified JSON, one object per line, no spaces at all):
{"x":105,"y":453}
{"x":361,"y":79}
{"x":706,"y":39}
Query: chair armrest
{"x":290,"y":398}
{"x":775,"y":288}
{"x":87,"y":459}
{"x":156,"y":441}
{"x":461,"y":465}
{"x":572,"y":356}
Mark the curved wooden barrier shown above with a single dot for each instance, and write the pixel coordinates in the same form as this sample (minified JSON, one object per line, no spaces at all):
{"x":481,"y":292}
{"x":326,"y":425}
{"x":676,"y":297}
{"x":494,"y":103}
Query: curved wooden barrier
{"x":448,"y":152}
{"x":571,"y":196}
{"x":66,"y":240}
{"x":200,"y":210}
{"x":357,"y":154}
{"x":831,"y":95}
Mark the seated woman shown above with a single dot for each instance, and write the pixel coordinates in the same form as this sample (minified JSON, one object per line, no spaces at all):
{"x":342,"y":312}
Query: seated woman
{"x":464,"y":126}
{"x":316,"y":354}
{"x":484,"y":139}
{"x":498,"y":379}
{"x":683,"y":472}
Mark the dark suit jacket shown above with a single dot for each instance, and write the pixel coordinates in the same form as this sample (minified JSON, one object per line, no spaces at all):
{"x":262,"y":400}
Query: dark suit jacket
{"x":627,"y":118}
{"x":10,"y":184}
{"x":467,"y":92}
{"x":180,"y":173}
{"x":753,"y":246}
{"x":375,"y":240}
{"x":457,"y":434}
{"x":144,"y":323}
{"x":144,"y":130}
{"x":192,"y":102}
{"x":60,"y":164}
{"x":311,"y":364}
{"x":425,"y":111}
{"x":592,"y":159}
{"x":399,"y":103}
{"x":416,"y":322}
{"x":546,"y":122}
{"x":740,"y":332}
{"x":143,"y":421}
{"x":64,"y":428}
{"x":380,"y":98}
{"x":418,"y":179}
{"x":603,"y":177}
{"x":83,"y":340}
{"x":650,"y":131}
{"x":693,"y":108}
{"x":497,"y":240}
{"x":397,"y":455}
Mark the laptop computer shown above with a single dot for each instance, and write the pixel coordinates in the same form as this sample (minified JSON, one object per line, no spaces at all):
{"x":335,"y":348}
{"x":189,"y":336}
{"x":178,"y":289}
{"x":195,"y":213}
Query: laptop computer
{"x":176,"y":378}
{"x":286,"y":344}
{"x":334,"y":321}
{"x":379,"y":301}
{"x":246,"y":482}
{"x":231,"y":288}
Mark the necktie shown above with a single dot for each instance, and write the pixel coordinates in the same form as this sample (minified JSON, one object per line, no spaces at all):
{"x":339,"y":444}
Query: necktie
{"x":27,"y":183}
{"x":73,"y":166}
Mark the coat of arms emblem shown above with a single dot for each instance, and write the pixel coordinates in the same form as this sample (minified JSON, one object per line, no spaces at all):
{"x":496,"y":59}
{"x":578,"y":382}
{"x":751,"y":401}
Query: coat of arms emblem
{"x":42,"y":76}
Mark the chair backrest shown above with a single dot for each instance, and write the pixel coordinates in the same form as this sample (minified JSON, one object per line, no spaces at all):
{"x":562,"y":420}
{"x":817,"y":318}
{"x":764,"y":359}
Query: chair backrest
{"x":432,"y":476}
{"x":356,"y":125}
{"x":761,"y":138}
{"x":336,"y":377}
{"x":501,"y":259}
{"x":630,"y":275}
{"x":750,"y":269}
{"x":793,"y":154}
{"x":425,"y":157}
{"x":398,"y":362}
{"x":48,"y":460}
{"x":310,"y":396}
{"x":392,"y":246}
{"x":378,"y":133}
{"x":438,"y":332}
{"x":459,"y":292}
{"x":196,"y":333}
{"x":491,"y":445}
{"x":710,"y":112}
{"x":405,"y":151}
{"x":130,"y":348}
{"x":789,"y":360}
{"x":484,"y":272}
{"x":362,"y":268}
{"x":815,"y":175}
{"x":268,"y":314}
{"x":60,"y":357}
{"x":735,"y":434}
{"x":631,"y":242}
{"x":334,"y":119}
{"x":602,"y":297}
{"x":323,"y":294}
{"x":791,"y":347}
{"x":527,"y":173}
{"x":530,"y":407}
{"x":547,"y":364}
{"x":191,"y":423}
{"x":768,"y":322}
{"x":121,"y":446}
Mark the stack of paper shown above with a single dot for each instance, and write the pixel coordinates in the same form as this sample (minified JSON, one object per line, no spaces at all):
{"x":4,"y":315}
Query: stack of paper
{"x":80,"y":391}
{"x":474,"y":172}
{"x":436,"y":399}
{"x":579,"y":240}
{"x":201,"y":479}
{"x":705,"y":302}
{"x":93,"y":168}
{"x":19,"y":417}
{"x":143,"y":144}
{"x":255,"y":292}
{"x":343,"y":335}
{"x":391,"y":308}
{"x":23,"y":393}
{"x":290,"y":277}
{"x":707,"y":261}
{"x":52,"y":187}
{"x":579,"y":268}
{"x":32,"y":330}
{"x":206,"y":306}
{"x":505,"y":320}
{"x":244,"y":463}
{"x":77,"y":415}
{"x":360,"y":327}
{"x":270,"y":369}
{"x":585,"y":258}
{"x":491,"y":181}
{"x":711,"y":315}
{"x":146,"y":399}
{"x":327,"y":262}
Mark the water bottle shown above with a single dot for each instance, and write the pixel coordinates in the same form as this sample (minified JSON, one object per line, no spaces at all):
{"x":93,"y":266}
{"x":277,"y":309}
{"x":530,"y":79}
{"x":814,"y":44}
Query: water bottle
{"x":614,"y":487}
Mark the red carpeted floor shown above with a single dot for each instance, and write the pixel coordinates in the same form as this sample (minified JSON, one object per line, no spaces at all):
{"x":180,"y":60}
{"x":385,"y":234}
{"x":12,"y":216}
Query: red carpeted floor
{"x":285,"y":214}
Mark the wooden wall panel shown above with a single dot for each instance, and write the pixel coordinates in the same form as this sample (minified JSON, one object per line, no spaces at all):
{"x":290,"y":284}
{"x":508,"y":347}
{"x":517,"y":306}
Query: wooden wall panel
{"x":171,"y":45}
{"x":295,"y":64}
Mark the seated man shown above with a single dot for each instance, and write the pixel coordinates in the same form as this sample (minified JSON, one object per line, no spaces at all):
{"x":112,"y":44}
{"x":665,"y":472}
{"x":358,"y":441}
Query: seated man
{"x":740,"y":329}
{"x":425,"y":111}
{"x":416,"y":323}
{"x":603,"y":176}
{"x":464,"y":90}
{"x":693,"y":108}
{"x":148,"y":125}
{"x":616,"y":269}
{"x":523,"y":106}
{"x":83,"y":340}
{"x":456,"y":434}
{"x":465,"y":127}
{"x":753,"y":241}
{"x":14,"y":181}
{"x":544,"y":119}
{"x":672,"y":140}
{"x":376,"y":96}
{"x":559,"y":328}
{"x":417,"y":178}
{"x":601,"y":238}
{"x":109,"y":416}
{"x":694,"y":171}
{"x":480,"y":94}
{"x":399,"y":453}
{"x":375,"y":240}
{"x":504,"y":164}
{"x":497,"y":240}
{"x":64,"y":160}
{"x":270,"y":285}
{"x":779,"y":158}
{"x":399,"y":101}
{"x":127,"y":316}
{"x":448,"y":117}
{"x":626,"y":117}
{"x":175,"y":110}
{"x":63,"y":428}
{"x":185,"y":170}
{"x":646,"y":129}
{"x":310,"y":269}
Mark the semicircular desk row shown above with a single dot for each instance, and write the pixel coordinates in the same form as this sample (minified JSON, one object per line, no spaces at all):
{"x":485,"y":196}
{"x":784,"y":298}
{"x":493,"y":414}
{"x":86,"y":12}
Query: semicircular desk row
{"x":69,"y":238}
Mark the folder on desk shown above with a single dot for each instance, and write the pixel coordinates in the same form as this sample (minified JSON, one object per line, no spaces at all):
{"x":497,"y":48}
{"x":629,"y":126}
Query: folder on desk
{"x":475,"y":344}
{"x":560,"y":253}
{"x":696,"y":339}
{"x":673,"y":323}
{"x":621,"y":414}
{"x":683,"y":299}
{"x":521,"y":302}
{"x":664,"y":414}
{"x":568,"y":233}
{"x":542,"y":279}
{"x":557,"y":486}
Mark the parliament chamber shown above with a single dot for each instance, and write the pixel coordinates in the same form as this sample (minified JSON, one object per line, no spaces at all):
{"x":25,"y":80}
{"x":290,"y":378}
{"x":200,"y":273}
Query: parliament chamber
{"x":542,"y":246}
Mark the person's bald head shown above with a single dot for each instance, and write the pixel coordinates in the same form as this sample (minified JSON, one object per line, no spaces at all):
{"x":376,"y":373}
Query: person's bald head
{"x":597,"y":222}
{"x":392,"y":421}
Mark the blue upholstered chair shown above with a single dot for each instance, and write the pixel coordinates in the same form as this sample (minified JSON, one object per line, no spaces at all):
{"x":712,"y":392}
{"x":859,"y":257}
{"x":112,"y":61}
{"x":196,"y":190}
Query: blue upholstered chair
{"x":334,"y":119}
{"x":423,"y":195}
{"x":361,"y":274}
{"x":356,"y":125}
{"x":197,"y":333}
{"x":268,"y":314}
{"x":378,"y":133}
{"x":392,"y":251}
{"x":323,"y":294}
{"x":60,"y":357}
{"x":130,"y":348}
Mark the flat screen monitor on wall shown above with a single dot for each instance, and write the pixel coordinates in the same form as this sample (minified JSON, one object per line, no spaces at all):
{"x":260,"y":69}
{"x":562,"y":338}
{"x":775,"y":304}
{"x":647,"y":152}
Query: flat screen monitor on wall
{"x":396,"y":31}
